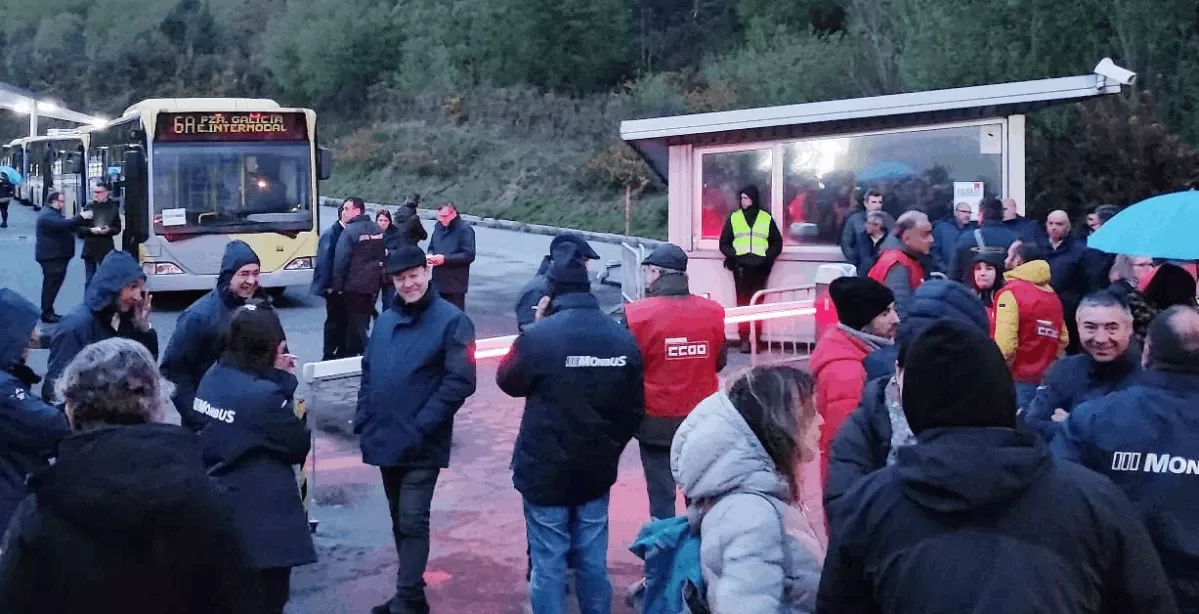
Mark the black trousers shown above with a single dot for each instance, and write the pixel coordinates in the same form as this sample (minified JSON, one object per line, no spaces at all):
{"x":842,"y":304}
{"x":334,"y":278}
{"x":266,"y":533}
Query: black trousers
{"x":409,"y":497}
{"x":659,"y":482}
{"x":336,"y":325}
{"x":274,"y":589}
{"x":359,"y":308}
{"x":89,"y":268}
{"x":4,"y":210}
{"x":457,"y":299}
{"x":53,"y":274}
{"x":747,"y":282}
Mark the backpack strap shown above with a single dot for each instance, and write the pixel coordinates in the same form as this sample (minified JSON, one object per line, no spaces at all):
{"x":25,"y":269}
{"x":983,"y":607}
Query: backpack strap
{"x":978,"y":239}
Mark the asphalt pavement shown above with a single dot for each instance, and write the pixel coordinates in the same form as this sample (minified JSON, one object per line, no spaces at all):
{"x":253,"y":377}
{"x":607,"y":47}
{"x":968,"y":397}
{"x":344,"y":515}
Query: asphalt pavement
{"x":478,"y":560}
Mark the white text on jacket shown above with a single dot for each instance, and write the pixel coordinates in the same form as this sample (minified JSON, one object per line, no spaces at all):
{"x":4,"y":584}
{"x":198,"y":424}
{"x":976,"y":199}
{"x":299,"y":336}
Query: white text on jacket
{"x":595,"y":361}
{"x":224,"y":415}
{"x":1154,"y":463}
{"x":679,"y":348}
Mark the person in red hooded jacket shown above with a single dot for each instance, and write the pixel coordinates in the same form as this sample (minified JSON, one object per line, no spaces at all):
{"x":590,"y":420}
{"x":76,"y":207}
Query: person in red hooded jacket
{"x":866,"y":310}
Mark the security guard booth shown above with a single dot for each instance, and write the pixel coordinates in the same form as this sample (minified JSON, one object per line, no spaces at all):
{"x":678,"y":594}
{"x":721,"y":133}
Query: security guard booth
{"x":813,"y":164}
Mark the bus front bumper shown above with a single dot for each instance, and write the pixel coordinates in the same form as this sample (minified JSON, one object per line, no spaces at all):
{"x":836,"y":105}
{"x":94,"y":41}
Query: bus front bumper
{"x":187,"y":282}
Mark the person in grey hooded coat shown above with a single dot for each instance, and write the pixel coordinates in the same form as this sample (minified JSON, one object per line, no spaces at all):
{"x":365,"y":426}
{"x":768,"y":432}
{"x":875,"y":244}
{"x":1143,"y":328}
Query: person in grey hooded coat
{"x":760,"y":548}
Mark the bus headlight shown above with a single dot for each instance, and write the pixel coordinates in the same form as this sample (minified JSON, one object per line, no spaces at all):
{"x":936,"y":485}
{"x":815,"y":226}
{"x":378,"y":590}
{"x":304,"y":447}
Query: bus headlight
{"x":296,"y":264}
{"x":161,"y":268}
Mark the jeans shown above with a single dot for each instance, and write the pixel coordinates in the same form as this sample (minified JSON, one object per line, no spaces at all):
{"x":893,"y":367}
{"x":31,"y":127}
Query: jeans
{"x":655,"y":462}
{"x":409,"y":496}
{"x":274,"y":588}
{"x":53,"y":274}
{"x":557,"y":532}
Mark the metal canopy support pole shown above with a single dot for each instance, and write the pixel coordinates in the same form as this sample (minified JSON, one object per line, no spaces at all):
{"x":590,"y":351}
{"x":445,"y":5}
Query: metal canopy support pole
{"x":32,"y":118}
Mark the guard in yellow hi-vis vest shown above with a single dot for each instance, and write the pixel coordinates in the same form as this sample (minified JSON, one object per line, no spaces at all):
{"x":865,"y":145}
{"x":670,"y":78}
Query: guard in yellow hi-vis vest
{"x":750,"y":242}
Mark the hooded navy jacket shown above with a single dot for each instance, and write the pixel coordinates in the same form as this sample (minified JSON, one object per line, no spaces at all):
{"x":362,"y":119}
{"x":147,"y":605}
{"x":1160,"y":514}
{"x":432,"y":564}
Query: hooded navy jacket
{"x":417,"y":372}
{"x":1074,"y":380}
{"x":935,"y":299}
{"x":987,"y":521}
{"x":29,"y":428}
{"x":92,"y":321}
{"x":1144,"y":438}
{"x":251,"y":439}
{"x":582,"y":375}
{"x":125,"y":521}
{"x":196,"y":343}
{"x":407,"y":223}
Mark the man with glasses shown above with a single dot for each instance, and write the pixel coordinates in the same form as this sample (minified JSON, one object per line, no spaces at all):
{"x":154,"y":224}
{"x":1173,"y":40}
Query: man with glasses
{"x":54,"y":249}
{"x":98,"y":231}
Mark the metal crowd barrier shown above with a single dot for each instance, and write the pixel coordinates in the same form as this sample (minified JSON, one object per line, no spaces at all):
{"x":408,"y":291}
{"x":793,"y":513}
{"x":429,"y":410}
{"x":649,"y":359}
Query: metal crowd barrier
{"x":305,"y":472}
{"x":632,"y":277}
{"x":495,"y":347}
{"x":783,"y":336}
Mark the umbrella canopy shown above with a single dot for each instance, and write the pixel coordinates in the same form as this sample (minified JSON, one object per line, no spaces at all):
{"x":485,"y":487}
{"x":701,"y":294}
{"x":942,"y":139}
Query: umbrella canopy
{"x":882,"y":171}
{"x":12,"y":174}
{"x":1159,"y":227}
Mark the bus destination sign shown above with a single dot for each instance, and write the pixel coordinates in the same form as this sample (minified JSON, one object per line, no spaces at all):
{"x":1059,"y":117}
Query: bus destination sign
{"x":232,"y":126}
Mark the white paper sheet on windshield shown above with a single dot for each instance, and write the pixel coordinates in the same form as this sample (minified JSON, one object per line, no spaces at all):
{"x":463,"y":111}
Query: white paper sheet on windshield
{"x":174,"y":217}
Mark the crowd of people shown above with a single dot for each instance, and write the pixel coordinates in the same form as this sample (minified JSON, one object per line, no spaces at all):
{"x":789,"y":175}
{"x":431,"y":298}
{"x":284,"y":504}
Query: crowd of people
{"x":183,"y":474}
{"x":949,"y":452}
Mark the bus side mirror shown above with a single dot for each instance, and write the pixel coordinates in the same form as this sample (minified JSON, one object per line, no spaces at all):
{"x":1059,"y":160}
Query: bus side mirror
{"x":324,"y":163}
{"x":135,"y":163}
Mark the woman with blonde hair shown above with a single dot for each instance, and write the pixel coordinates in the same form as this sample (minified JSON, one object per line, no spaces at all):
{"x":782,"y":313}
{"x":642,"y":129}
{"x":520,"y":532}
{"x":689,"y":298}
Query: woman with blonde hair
{"x":747,"y":461}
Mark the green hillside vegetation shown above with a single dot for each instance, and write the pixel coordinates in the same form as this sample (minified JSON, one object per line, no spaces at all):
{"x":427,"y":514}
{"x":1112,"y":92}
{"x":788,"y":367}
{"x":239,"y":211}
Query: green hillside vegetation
{"x":511,"y":108}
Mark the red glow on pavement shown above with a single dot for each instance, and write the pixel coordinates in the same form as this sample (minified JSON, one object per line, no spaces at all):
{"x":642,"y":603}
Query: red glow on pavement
{"x":499,"y":346}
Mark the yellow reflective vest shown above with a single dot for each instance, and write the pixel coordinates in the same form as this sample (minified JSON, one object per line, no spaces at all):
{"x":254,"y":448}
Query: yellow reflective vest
{"x":748,"y":240}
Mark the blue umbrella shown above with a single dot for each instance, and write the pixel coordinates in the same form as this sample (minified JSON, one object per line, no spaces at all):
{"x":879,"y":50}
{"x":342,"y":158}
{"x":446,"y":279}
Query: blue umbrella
{"x":12,"y":174}
{"x":1158,"y":227}
{"x":882,"y":171}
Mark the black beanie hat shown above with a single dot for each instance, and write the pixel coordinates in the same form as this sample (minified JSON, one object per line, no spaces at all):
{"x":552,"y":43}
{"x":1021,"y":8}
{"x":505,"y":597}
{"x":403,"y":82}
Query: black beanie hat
{"x":859,"y":300}
{"x":955,"y":376}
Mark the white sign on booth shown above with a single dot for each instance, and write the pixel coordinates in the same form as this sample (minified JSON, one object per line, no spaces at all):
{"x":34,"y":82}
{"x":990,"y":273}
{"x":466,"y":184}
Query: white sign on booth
{"x":969,"y":192}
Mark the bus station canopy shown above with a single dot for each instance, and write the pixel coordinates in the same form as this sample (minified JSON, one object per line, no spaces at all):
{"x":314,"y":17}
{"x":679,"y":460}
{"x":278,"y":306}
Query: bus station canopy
{"x":651,"y":138}
{"x":25,"y":101}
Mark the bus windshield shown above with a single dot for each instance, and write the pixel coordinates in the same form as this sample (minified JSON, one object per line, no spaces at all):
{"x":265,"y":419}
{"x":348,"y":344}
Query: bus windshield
{"x":203,"y":188}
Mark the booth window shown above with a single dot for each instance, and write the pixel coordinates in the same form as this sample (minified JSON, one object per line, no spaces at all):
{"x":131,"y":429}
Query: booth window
{"x":724,"y":175}
{"x":825,"y":180}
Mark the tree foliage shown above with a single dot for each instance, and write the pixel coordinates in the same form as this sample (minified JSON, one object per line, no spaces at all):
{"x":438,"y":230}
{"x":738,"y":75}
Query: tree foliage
{"x":1086,"y":168}
{"x":543,"y":84}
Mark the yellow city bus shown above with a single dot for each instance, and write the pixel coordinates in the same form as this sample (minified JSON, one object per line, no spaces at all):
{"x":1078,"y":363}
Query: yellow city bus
{"x":193,"y":174}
